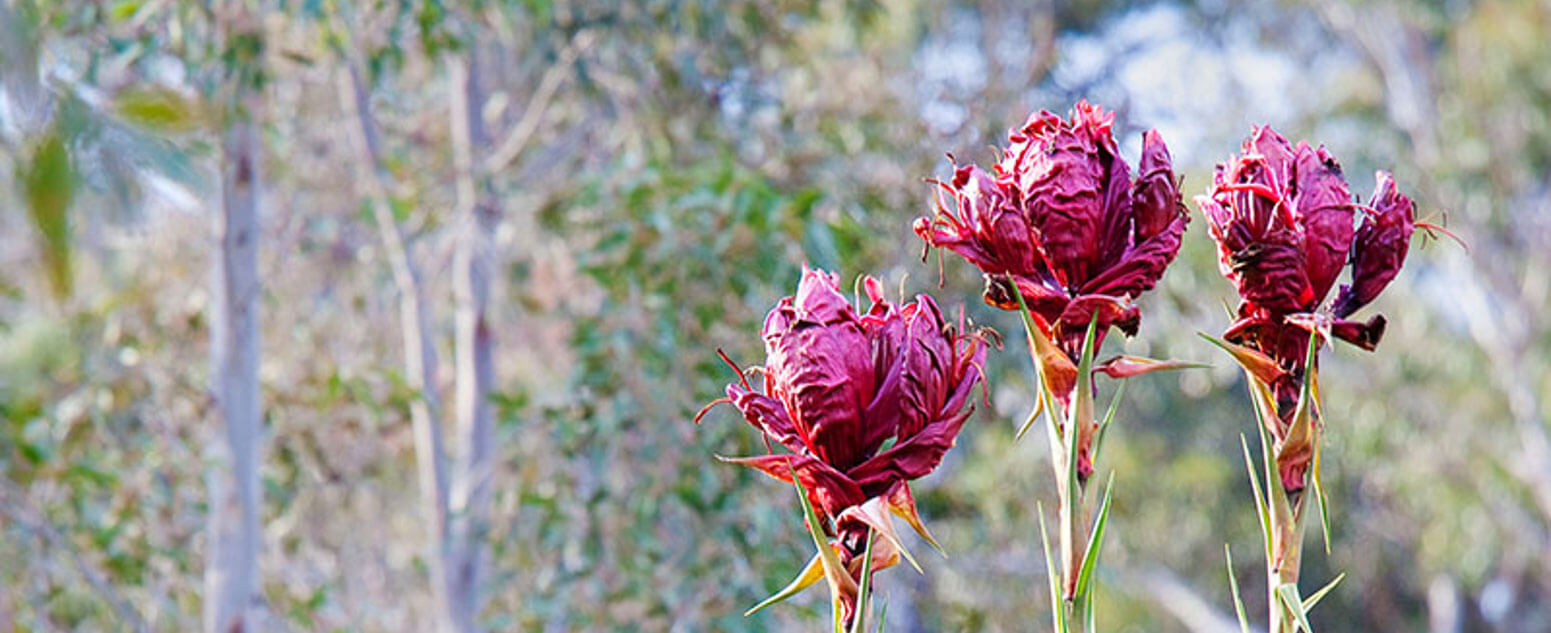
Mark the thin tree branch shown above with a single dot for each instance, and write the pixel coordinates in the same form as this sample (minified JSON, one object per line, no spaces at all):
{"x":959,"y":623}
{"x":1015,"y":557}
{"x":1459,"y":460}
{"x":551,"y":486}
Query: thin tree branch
{"x":517,"y":140}
{"x":419,"y":347}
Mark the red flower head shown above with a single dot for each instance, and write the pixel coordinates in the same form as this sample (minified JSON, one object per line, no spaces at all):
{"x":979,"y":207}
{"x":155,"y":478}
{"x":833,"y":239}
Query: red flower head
{"x":1061,"y":221}
{"x":839,"y":385}
{"x":1285,"y":226}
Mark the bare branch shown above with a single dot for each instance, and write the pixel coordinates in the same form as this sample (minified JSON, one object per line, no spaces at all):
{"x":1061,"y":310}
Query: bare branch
{"x":419,"y":348}
{"x":517,"y":140}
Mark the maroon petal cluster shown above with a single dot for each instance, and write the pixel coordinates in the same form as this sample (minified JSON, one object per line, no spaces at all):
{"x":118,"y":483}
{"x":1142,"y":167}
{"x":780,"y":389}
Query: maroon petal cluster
{"x":1062,"y":222}
{"x":863,"y":402}
{"x":1286,"y":225}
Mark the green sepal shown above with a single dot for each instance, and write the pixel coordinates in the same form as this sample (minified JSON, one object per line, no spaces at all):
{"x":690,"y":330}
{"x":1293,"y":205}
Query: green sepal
{"x":1090,"y":560}
{"x":810,"y":574}
{"x":1109,"y":417}
{"x":1260,"y":500}
{"x":1309,"y":602}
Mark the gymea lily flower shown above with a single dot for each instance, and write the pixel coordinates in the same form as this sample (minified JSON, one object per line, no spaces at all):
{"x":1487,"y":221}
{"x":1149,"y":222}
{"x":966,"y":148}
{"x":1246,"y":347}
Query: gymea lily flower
{"x":1061,"y":227}
{"x":1064,"y":235}
{"x":1061,"y":222}
{"x":1286,"y":226}
{"x":862,"y":404}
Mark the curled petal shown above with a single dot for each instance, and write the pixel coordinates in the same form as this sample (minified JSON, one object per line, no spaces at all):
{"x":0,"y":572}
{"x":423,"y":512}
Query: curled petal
{"x":828,"y":489}
{"x":910,"y":458}
{"x":1364,"y":335}
{"x":1380,"y":247}
{"x":1155,"y":198}
{"x":1143,"y":266}
{"x":1118,"y":218}
{"x":1063,"y":187}
{"x":1041,"y":297}
{"x":982,"y":224}
{"x":1324,"y":206}
{"x":1110,"y":311}
{"x":1270,"y":271}
{"x":766,"y":414}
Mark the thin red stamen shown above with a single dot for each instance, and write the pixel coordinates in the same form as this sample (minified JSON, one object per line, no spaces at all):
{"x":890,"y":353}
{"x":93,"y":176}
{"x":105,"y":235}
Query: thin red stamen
{"x":1431,"y":229}
{"x":708,"y":407}
{"x":741,"y":378}
{"x":1257,"y":188}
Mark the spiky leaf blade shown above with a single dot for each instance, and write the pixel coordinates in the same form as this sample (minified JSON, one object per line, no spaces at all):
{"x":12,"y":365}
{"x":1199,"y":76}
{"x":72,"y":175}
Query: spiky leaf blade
{"x":1233,"y":585}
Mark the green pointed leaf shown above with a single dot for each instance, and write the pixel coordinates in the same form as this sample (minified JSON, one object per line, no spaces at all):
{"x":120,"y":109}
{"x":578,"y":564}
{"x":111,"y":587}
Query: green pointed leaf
{"x":48,"y":180}
{"x":883,"y":615}
{"x":1233,"y":584}
{"x":1319,"y":497}
{"x":839,"y":579}
{"x":1057,"y":612}
{"x":1309,"y":602}
{"x":1082,"y":396}
{"x":811,"y":573}
{"x":1109,"y":417}
{"x":1082,"y":412}
{"x":1090,"y":559}
{"x":1260,"y":500}
{"x":1039,"y":407}
{"x":158,"y":109}
{"x":863,"y":593}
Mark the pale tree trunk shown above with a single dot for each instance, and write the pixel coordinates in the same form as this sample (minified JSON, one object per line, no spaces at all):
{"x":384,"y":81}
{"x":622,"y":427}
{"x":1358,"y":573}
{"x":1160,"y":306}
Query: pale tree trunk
{"x":232,"y":593}
{"x":419,"y":349}
{"x":477,"y":215}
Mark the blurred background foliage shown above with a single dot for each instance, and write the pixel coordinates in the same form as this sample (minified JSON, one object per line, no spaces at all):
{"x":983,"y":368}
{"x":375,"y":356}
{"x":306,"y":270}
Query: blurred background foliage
{"x":681,"y":160}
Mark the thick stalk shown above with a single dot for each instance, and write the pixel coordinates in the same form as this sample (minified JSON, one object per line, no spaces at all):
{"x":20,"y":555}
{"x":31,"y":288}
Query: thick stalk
{"x":1287,"y":516}
{"x":1287,"y":531}
{"x":1074,"y":538}
{"x":1075,"y":530}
